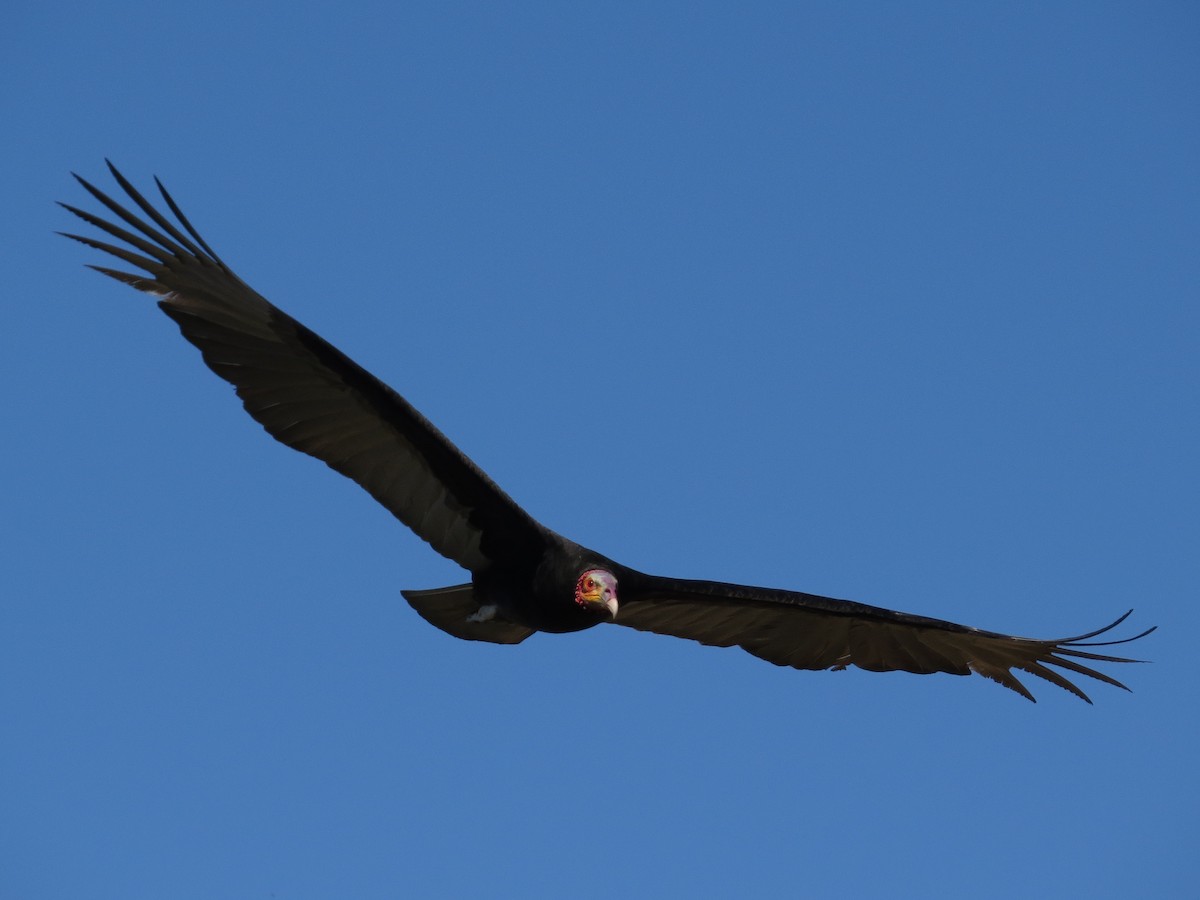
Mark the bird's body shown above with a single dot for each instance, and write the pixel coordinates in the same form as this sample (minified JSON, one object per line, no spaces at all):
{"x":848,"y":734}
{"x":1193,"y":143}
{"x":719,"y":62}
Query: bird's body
{"x":524,"y":577}
{"x":534,"y":598}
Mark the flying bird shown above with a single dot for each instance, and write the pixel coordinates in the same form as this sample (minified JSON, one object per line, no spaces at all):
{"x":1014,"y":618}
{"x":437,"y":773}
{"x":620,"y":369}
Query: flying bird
{"x":310,"y":396}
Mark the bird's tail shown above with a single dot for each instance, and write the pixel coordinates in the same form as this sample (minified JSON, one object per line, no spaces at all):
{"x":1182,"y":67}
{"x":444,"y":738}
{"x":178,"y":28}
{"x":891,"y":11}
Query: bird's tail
{"x":455,"y":610}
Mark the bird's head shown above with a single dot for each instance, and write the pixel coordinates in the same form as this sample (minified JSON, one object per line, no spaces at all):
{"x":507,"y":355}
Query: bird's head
{"x":596,"y":591}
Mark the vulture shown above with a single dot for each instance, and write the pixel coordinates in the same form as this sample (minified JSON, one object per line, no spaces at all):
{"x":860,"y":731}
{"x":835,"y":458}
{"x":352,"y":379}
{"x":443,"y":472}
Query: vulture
{"x":524,"y":577}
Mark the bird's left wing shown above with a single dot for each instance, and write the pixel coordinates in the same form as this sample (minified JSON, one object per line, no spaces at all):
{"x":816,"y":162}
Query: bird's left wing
{"x":807,"y":631}
{"x":309,"y":395}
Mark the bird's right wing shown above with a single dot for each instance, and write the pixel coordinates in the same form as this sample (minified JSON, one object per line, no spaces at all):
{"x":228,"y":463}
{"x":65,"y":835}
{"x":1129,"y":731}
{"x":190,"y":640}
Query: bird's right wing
{"x":309,"y":395}
{"x":808,"y":631}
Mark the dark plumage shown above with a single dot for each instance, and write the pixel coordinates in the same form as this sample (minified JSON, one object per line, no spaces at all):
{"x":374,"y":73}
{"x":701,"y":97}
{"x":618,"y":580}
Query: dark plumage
{"x":524,"y":578}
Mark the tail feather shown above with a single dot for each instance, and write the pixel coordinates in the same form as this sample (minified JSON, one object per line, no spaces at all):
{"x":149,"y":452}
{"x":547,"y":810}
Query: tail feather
{"x":451,"y":609}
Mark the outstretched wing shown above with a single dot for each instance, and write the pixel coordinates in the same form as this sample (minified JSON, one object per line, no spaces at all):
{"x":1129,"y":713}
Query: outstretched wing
{"x":309,"y":395}
{"x":807,"y":631}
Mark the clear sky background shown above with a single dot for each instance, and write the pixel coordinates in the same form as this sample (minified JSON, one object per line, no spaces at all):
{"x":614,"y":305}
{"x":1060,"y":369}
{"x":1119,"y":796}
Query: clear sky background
{"x":893,"y":302}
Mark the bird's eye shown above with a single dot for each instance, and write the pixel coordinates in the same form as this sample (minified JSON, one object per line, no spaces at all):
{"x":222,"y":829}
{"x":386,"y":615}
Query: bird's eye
{"x":590,"y":583}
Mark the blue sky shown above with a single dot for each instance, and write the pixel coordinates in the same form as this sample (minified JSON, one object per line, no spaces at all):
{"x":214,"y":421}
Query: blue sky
{"x":894,"y":302}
